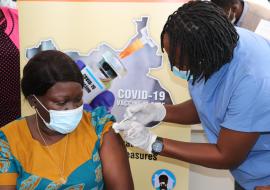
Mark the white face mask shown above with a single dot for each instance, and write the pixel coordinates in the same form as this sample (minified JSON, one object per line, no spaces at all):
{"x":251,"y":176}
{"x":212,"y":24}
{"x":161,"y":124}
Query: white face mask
{"x":234,"y":16}
{"x":63,"y":121}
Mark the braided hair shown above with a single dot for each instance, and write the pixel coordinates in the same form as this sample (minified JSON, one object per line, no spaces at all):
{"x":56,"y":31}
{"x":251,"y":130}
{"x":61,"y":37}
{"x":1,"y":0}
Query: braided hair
{"x":203,"y":35}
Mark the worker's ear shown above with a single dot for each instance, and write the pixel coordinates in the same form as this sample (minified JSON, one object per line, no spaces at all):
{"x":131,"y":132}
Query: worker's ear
{"x":236,"y":7}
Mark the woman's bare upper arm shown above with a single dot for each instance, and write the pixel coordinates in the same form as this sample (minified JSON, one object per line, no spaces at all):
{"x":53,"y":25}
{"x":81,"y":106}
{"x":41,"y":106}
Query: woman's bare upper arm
{"x":115,"y":163}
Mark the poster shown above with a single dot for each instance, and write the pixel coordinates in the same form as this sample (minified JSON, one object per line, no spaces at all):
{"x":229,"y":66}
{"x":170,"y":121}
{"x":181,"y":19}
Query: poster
{"x":86,"y":30}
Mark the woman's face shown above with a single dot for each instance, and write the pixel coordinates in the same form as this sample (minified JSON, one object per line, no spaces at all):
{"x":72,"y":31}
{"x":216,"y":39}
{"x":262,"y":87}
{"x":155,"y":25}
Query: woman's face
{"x":61,"y":96}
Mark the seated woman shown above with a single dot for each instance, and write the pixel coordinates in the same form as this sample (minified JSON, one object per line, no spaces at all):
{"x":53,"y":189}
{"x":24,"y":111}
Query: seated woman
{"x":61,"y":146}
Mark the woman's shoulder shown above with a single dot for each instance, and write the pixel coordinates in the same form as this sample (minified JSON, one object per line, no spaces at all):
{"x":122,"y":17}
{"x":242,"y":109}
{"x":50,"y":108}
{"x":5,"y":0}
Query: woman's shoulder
{"x":12,"y":129}
{"x":8,"y":134}
{"x":101,"y":115}
{"x":16,"y":124}
{"x":99,"y":119}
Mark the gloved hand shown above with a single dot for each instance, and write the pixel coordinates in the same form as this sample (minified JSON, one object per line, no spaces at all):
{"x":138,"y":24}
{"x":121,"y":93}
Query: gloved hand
{"x":136,"y":134}
{"x":106,"y":99}
{"x":146,"y":112}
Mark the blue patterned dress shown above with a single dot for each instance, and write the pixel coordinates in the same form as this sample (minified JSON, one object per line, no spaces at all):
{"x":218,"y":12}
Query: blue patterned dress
{"x":26,"y":163}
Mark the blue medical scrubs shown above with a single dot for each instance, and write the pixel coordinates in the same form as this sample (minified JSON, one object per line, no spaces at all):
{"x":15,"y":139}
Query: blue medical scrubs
{"x":237,"y":97}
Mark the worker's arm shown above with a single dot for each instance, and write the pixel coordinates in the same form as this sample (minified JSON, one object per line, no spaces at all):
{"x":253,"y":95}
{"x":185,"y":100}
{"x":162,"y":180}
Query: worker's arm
{"x":230,"y":151}
{"x":184,"y":113}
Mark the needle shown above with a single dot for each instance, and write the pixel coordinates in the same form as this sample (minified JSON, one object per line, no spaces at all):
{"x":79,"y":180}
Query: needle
{"x":125,"y":119}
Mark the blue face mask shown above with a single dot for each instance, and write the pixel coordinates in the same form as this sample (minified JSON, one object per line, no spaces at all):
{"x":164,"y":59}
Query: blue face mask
{"x":181,"y":74}
{"x":63,"y":121}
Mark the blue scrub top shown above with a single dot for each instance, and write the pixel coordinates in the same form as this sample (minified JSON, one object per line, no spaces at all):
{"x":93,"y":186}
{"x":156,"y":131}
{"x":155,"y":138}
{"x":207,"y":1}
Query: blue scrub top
{"x":237,"y":97}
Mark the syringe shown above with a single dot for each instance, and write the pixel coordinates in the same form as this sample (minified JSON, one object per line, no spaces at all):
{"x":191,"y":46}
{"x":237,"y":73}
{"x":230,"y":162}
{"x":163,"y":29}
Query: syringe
{"x":137,"y":44}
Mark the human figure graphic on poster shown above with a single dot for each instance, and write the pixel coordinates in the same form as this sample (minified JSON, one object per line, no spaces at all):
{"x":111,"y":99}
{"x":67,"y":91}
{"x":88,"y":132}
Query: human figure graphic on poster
{"x":163,"y":182}
{"x":163,"y":179}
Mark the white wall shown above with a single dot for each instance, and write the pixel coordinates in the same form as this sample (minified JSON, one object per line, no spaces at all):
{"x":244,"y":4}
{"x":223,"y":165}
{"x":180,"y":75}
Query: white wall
{"x":262,"y":2}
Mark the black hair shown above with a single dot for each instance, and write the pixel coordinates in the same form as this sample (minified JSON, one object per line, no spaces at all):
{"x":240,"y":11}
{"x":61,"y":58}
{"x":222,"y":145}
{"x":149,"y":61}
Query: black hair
{"x":224,"y":3}
{"x":47,"y":68}
{"x":163,"y":178}
{"x":203,"y":35}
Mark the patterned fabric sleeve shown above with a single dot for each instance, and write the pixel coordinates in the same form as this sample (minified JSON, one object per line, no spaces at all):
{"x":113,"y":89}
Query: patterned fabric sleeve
{"x":102,"y":121}
{"x":8,"y":174}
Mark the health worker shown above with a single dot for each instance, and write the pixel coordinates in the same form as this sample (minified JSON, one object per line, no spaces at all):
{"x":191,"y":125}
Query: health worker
{"x":228,"y":74}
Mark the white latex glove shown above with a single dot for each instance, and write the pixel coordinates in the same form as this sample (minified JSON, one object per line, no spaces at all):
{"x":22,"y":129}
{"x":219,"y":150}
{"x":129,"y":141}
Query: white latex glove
{"x":136,"y":134}
{"x":146,"y":112}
